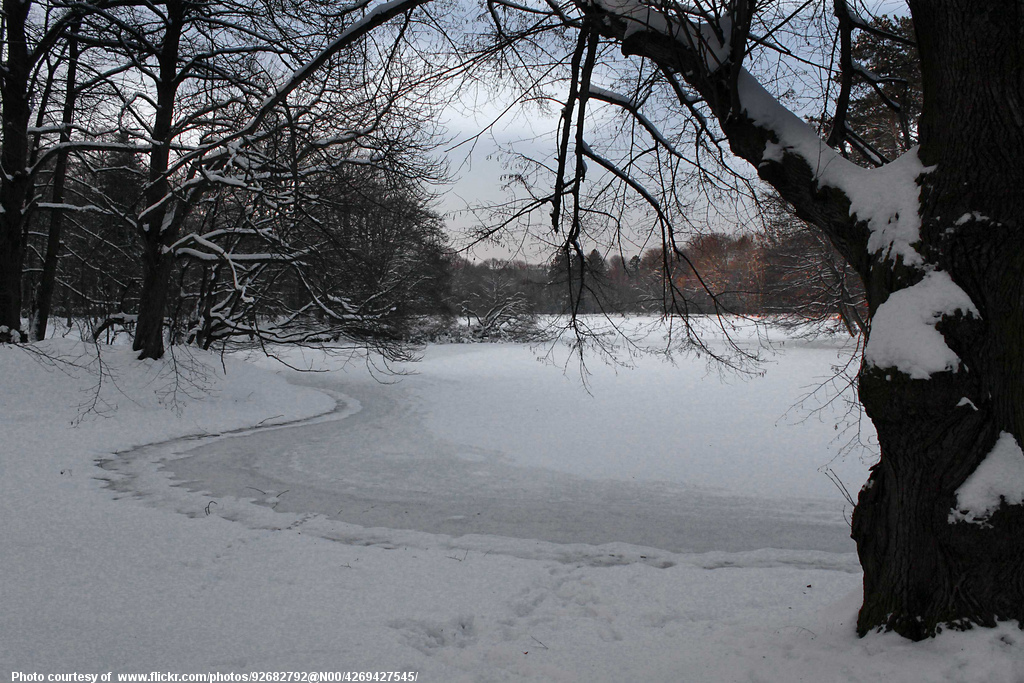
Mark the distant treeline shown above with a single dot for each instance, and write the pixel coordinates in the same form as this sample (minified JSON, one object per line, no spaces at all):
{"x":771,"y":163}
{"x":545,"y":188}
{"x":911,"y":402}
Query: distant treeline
{"x":365,"y":256}
{"x":783,"y":270}
{"x":377,"y":241}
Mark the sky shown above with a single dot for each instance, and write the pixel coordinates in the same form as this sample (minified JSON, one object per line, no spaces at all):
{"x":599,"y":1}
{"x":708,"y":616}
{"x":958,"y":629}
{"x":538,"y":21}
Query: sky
{"x":478,"y":157}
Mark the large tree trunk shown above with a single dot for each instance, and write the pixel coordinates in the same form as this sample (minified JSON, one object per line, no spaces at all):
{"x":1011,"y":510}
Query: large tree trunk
{"x":11,"y":260}
{"x":160,"y":223}
{"x":156,"y":284}
{"x":921,"y":569}
{"x":15,"y":183}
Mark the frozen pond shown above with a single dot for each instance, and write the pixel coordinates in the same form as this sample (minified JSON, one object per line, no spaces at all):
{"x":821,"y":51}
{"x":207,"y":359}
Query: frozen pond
{"x":484,"y":439}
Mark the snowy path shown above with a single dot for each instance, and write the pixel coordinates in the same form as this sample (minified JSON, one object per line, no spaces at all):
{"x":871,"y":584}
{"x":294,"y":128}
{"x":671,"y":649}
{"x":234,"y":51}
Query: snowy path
{"x":390,"y":462}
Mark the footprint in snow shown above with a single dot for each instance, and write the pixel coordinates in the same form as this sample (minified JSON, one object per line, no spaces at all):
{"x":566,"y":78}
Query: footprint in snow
{"x":431,"y":636}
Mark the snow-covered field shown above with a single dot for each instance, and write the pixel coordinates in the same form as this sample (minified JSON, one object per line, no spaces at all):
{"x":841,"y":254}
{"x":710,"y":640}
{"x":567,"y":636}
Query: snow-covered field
{"x":484,"y":519}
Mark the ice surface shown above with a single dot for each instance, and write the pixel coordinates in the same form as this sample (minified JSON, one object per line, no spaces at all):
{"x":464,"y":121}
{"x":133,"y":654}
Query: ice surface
{"x":484,"y":439}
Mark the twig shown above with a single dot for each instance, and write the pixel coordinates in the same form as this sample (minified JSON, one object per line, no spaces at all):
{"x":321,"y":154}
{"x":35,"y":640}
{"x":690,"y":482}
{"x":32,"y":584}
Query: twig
{"x":840,"y":485}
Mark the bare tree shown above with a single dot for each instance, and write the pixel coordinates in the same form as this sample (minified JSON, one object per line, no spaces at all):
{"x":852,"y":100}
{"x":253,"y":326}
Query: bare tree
{"x":215,"y":84}
{"x":32,"y":38}
{"x":493,"y":300}
{"x":931,"y":234}
{"x":197,"y":89}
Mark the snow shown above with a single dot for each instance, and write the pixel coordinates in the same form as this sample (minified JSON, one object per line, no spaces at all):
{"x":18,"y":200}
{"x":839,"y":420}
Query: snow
{"x":224,"y":180}
{"x":887,"y":198}
{"x":966,"y":402}
{"x":697,"y":35}
{"x":113,"y":562}
{"x":903,"y":333}
{"x":56,"y":206}
{"x":998,"y":479}
{"x":975,"y":216}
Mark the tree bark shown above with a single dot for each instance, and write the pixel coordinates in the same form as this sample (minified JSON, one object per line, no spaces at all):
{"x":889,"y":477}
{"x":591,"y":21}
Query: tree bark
{"x":156,"y":280}
{"x":158,"y":226}
{"x":920,"y":570}
{"x":15,"y":182}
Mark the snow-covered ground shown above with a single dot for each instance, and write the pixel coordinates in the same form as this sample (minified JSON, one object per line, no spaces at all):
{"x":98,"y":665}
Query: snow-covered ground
{"x":484,"y":519}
